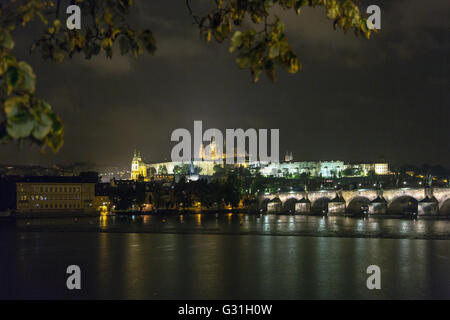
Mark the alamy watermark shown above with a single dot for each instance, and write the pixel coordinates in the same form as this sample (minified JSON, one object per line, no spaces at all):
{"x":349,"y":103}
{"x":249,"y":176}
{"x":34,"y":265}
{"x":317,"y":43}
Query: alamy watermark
{"x":257,"y":145}
{"x":74,"y":280}
{"x":374,"y":20}
{"x":374,"y":280}
{"x":74,"y":20}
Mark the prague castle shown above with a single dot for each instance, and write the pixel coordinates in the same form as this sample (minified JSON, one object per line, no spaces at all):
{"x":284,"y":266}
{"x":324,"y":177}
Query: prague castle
{"x":288,"y":168}
{"x":204,"y":167}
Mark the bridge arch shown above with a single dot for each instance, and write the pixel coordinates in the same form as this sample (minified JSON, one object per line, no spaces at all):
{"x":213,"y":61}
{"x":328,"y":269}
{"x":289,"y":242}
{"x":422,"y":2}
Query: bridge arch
{"x":320,"y":204}
{"x":444,"y":207}
{"x":402,"y":204}
{"x":263,"y":204}
{"x":289,"y":205}
{"x":274,"y":205}
{"x":354,"y":205}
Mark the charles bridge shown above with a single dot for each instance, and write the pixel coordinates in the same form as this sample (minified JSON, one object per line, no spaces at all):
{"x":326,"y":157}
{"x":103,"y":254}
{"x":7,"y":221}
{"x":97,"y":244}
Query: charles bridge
{"x":423,"y":201}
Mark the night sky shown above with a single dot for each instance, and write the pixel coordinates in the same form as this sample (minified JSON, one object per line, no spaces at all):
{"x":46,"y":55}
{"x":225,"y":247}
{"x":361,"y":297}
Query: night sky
{"x":356,"y":99}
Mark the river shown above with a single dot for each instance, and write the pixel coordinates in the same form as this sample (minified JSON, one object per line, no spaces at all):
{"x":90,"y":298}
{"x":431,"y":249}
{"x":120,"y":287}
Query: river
{"x":231,"y":256}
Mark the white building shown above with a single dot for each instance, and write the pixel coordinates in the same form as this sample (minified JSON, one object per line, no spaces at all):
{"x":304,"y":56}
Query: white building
{"x":325,"y":169}
{"x":381,"y":168}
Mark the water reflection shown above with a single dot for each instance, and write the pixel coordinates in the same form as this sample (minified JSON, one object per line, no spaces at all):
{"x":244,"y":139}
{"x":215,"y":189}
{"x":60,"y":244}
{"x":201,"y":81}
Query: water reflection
{"x":198,"y":219}
{"x":230,"y":266}
{"x":246,"y":224}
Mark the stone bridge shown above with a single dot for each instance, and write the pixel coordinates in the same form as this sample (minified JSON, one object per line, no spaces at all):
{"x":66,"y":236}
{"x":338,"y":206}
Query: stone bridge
{"x":423,"y":201}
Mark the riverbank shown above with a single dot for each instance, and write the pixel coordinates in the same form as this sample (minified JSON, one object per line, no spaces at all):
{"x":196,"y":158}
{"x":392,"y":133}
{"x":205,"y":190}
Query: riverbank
{"x":38,"y":215}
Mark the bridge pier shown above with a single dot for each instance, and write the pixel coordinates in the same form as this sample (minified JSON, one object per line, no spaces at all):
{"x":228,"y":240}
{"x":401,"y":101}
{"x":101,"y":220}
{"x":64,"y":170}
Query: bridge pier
{"x":428,"y":206}
{"x":336,"y":206}
{"x":378,"y":206}
{"x":303,"y":206}
{"x":274,"y":206}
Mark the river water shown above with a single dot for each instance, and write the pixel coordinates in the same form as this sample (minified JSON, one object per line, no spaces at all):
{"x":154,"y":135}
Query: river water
{"x":235,"y":256}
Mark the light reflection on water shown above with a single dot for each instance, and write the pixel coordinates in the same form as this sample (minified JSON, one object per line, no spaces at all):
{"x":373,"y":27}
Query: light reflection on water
{"x":133,"y":265}
{"x":249,"y":224}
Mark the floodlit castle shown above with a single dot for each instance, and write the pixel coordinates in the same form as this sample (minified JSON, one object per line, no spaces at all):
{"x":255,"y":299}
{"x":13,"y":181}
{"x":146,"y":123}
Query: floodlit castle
{"x":288,"y":168}
{"x":205,"y":166}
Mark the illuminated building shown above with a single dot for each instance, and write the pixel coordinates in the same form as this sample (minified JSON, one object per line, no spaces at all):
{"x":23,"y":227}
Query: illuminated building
{"x":203,"y":167}
{"x":53,"y":194}
{"x":288,"y":157}
{"x":138,"y":167}
{"x":331,"y":169}
{"x":288,"y":168}
{"x":102,"y":202}
{"x":326,"y":169}
{"x":381,"y":168}
{"x":363,"y":169}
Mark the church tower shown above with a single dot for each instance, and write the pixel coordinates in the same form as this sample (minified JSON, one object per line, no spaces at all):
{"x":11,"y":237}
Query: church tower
{"x":138,"y":167}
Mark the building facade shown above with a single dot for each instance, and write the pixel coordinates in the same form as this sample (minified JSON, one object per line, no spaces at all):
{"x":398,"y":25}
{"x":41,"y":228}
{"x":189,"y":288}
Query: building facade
{"x":288,"y":168}
{"x":381,"y":168}
{"x":138,"y":167}
{"x":44,"y":195}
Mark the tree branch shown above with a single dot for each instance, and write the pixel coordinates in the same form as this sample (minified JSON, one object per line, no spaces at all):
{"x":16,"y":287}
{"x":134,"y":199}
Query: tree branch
{"x":188,"y":5}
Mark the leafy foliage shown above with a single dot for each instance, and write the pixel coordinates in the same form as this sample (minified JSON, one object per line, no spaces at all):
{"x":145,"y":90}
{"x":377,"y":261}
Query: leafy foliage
{"x":255,"y":35}
{"x":23,"y":115}
{"x":258,"y":37}
{"x":108,"y":25}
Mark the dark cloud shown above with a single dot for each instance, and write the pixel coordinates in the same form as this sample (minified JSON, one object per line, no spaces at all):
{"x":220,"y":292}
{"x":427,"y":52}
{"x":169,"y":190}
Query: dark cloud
{"x":355,"y":100}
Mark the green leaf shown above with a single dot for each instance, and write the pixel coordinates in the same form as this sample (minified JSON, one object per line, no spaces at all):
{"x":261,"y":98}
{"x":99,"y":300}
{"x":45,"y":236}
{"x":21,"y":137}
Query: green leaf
{"x":57,"y":125}
{"x":43,"y":125}
{"x":28,"y":77}
{"x":5,"y":62}
{"x":55,"y":141}
{"x":6,"y":40}
{"x":236,"y":41}
{"x":20,"y":122}
{"x":274,"y":51}
{"x":20,"y":129}
{"x":12,"y":79}
{"x":13,"y":105}
{"x":46,"y":107}
{"x":243,"y":61}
